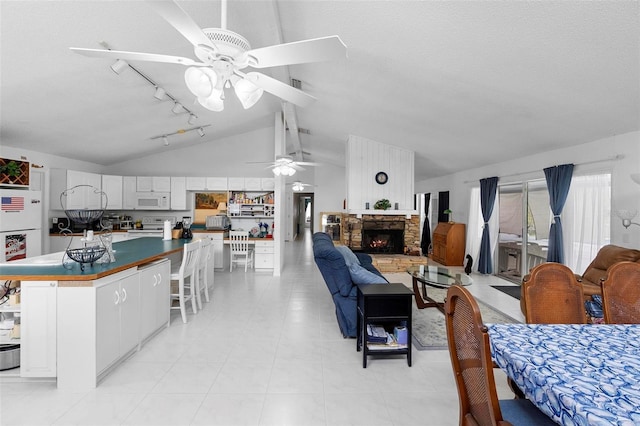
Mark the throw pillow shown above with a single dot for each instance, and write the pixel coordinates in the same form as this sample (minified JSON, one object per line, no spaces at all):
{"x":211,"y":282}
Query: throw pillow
{"x":350,"y":257}
{"x":359,"y":275}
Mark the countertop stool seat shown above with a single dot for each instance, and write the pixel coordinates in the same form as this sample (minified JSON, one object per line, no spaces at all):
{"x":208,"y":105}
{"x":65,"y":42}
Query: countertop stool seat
{"x":184,"y":278}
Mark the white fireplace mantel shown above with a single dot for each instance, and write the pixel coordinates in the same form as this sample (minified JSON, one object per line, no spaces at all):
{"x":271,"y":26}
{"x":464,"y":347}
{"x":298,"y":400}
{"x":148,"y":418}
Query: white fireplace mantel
{"x":405,"y":213}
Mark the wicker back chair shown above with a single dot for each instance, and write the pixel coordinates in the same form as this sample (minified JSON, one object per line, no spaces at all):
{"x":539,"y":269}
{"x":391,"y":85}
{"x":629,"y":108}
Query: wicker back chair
{"x":553,"y":295}
{"x":470,"y":353}
{"x":621,"y":294}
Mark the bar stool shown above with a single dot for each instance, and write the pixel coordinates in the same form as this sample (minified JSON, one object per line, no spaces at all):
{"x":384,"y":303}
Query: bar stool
{"x":202,"y":270}
{"x":185,"y":278}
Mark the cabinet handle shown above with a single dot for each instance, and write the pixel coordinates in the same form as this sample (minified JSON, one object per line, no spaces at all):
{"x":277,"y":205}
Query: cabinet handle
{"x":124,"y":295}
{"x":117,"y":298}
{"x":52,"y":284}
{"x":159,"y":279}
{"x":155,"y":280}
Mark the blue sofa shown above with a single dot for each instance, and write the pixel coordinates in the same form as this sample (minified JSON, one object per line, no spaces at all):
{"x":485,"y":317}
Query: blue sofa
{"x":344,"y":291}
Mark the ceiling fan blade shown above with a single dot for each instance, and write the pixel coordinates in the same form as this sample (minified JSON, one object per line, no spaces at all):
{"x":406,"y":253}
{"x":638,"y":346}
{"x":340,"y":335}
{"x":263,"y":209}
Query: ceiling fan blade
{"x":181,"y":21}
{"x":136,"y":56}
{"x":278,"y":88}
{"x":298,"y":52}
{"x":305,"y":163}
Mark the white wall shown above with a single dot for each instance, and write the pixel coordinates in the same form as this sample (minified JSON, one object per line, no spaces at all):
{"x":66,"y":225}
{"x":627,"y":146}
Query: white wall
{"x":587,"y":158}
{"x":330,"y":191}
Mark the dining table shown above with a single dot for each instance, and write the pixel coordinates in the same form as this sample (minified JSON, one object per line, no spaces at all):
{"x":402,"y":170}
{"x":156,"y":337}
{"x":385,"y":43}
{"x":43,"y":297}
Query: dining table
{"x":577,"y":374}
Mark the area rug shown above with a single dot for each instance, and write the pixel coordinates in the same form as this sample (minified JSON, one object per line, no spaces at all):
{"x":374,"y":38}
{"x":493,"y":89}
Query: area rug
{"x":428,"y":326}
{"x":511,"y":290}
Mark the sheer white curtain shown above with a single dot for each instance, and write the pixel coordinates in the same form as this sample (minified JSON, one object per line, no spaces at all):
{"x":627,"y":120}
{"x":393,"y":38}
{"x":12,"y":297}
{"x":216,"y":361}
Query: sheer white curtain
{"x":474,"y":228}
{"x":586,"y":219}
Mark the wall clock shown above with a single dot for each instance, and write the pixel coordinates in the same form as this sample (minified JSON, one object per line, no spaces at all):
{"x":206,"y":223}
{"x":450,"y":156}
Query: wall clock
{"x":381,"y":178}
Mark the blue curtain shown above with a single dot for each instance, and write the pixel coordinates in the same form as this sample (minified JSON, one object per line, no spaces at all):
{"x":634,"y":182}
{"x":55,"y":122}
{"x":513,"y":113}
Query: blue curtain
{"x":488,"y":189}
{"x":426,"y":231}
{"x":558,"y":182}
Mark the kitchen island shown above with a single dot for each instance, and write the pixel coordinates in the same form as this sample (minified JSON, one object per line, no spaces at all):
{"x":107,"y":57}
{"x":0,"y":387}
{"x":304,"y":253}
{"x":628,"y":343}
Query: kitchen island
{"x":79,"y":325}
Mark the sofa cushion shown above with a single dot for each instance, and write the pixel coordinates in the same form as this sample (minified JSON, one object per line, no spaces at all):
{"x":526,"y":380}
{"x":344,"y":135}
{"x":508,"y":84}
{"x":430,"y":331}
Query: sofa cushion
{"x":360,"y":275}
{"x":608,"y":256}
{"x":350,"y":257}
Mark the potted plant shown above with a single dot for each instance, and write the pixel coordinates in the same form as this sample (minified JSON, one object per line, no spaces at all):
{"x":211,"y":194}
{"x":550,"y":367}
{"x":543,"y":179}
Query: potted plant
{"x":13,"y":172}
{"x":450,"y":213}
{"x":383,"y":204}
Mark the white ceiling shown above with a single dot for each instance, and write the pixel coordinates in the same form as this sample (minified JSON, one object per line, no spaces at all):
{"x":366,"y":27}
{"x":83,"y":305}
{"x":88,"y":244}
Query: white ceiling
{"x":463,"y":84}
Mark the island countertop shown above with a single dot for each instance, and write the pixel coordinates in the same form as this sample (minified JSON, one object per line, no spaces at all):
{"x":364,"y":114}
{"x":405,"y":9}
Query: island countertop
{"x":128,"y":254}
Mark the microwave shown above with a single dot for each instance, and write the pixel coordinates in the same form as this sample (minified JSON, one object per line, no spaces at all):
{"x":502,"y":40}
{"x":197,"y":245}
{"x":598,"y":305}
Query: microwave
{"x":153,"y":200}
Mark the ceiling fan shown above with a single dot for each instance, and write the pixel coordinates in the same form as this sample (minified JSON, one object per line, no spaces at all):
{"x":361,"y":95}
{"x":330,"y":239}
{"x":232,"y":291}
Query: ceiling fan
{"x":224,"y":53}
{"x":298,"y":186}
{"x":284,"y":165}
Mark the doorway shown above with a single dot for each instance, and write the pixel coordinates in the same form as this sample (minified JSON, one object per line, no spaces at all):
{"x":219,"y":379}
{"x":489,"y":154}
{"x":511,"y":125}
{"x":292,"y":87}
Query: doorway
{"x":303,"y":212}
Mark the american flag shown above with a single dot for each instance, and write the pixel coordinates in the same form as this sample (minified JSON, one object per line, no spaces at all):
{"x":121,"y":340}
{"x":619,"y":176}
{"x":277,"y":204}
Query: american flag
{"x":12,"y":203}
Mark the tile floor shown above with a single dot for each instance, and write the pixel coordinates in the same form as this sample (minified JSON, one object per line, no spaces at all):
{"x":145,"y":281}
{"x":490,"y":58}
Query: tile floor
{"x":265,"y":351}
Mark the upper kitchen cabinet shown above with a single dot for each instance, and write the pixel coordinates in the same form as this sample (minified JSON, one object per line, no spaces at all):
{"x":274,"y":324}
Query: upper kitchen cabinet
{"x":251,"y":184}
{"x":178,"y":193}
{"x":236,"y":184}
{"x":83,"y":190}
{"x":268,"y":184}
{"x":112,"y":187}
{"x":129,"y":192}
{"x":206,"y":183}
{"x":153,"y":184}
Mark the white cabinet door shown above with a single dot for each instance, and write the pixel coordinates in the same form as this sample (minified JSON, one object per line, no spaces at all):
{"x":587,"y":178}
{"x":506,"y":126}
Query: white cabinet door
{"x":38,"y":329}
{"x":112,"y":187}
{"x":129,"y":192}
{"x":107,"y":325}
{"x":252,"y":184}
{"x":236,"y":183}
{"x":196,"y":183}
{"x":178,"y":193}
{"x":117,"y":319}
{"x":153,"y":184}
{"x":268,"y":184}
{"x":216,"y":183}
{"x":155,"y":280}
{"x":82,"y":190}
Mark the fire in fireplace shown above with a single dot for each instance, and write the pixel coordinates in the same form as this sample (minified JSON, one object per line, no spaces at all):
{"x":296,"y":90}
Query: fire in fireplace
{"x":381,"y":236}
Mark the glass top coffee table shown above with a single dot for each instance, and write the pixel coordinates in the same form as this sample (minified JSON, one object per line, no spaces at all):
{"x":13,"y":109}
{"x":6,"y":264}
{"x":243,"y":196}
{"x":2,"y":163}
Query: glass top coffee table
{"x":434,"y":276}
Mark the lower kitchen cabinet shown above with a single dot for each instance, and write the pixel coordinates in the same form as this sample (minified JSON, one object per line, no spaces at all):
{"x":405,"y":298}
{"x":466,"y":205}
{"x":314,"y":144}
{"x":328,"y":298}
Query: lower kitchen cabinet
{"x":264,"y":254}
{"x":38,"y":329}
{"x":118,"y":319}
{"x":155,"y":297}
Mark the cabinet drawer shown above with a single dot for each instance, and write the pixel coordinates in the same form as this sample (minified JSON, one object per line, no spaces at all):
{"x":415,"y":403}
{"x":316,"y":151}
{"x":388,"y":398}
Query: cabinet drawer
{"x":262,"y":249}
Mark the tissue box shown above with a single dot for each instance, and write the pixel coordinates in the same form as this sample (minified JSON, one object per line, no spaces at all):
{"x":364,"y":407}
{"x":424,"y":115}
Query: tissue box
{"x":400,"y":334}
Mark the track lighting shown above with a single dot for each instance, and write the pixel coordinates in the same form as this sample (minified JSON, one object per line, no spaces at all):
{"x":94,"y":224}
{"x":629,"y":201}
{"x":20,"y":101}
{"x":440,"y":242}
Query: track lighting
{"x":177,"y":108}
{"x":160,"y":93}
{"x":201,"y":132}
{"x":192,"y":118}
{"x":165,"y":136}
{"x":119,"y":66}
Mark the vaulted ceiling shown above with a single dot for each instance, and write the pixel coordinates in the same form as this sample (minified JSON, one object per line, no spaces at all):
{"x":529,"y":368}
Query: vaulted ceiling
{"x":463,"y":84}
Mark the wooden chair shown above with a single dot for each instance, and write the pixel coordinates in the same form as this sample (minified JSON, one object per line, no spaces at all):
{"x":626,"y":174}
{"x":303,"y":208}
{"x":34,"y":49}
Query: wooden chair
{"x":202,"y":270}
{"x":552,"y":294}
{"x":184,"y":278}
{"x":241,"y":252}
{"x":468,"y":342}
{"x":621,"y":294}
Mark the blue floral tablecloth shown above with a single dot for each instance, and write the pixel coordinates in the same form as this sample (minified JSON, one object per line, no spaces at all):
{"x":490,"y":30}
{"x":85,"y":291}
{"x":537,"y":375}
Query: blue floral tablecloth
{"x":576,"y":374}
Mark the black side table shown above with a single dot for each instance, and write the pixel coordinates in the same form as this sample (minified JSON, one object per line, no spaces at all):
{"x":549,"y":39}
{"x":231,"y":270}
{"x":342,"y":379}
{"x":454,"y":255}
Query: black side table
{"x":388,"y":305}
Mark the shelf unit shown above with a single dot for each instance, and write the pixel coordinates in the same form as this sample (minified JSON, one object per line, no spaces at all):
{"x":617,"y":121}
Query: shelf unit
{"x":251,"y":204}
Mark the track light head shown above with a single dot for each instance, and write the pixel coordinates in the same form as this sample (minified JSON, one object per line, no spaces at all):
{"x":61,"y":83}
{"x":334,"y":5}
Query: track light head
{"x":192,"y":118}
{"x":160,"y":93}
{"x":119,"y":66}
{"x":177,"y":108}
{"x":165,"y":140}
{"x":201,"y":132}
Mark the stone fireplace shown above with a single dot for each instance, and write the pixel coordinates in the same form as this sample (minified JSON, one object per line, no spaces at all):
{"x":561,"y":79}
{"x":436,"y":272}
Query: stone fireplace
{"x":381,"y":231}
{"x":383,"y":236}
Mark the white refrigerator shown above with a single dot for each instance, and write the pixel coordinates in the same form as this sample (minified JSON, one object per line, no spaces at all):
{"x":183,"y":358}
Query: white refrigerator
{"x":20,"y":224}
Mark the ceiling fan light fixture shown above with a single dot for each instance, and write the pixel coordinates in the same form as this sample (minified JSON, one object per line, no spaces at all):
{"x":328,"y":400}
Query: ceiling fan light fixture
{"x":213,"y":102}
{"x":119,"y":66}
{"x":284,"y":170}
{"x":248,"y":93}
{"x":297,"y":186}
{"x":201,"y":81}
